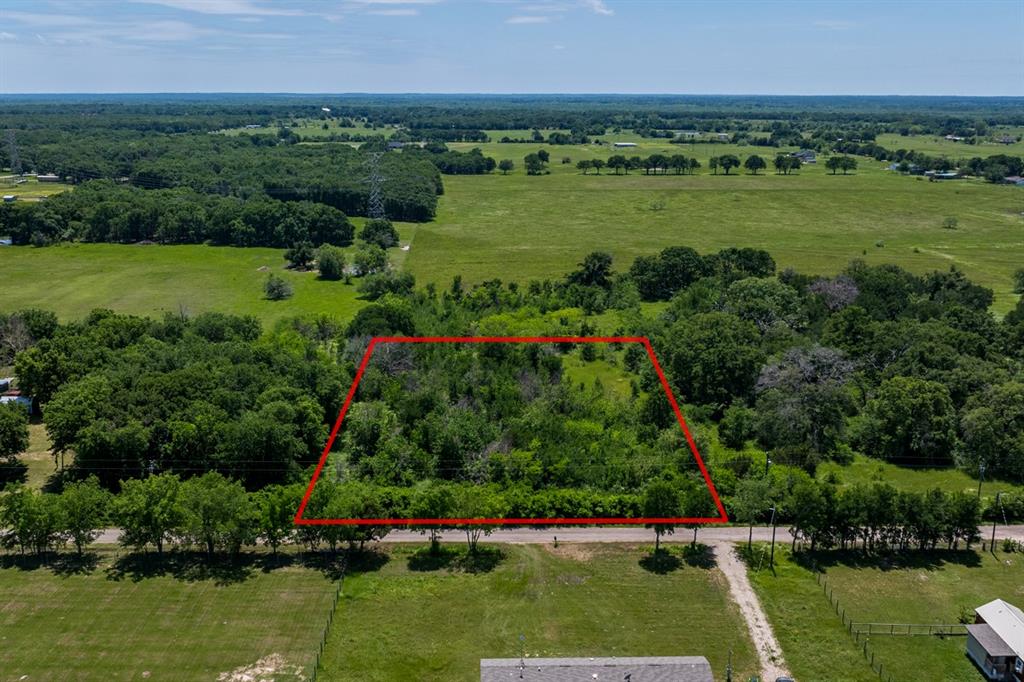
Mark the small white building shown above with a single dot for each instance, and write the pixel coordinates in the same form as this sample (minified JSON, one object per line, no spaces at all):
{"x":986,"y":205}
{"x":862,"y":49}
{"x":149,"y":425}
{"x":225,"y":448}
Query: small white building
{"x":995,"y":642}
{"x":623,"y":144}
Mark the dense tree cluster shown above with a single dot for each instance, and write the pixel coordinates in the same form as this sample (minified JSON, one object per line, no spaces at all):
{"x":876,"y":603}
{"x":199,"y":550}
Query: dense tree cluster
{"x":128,"y":396}
{"x":103,"y":211}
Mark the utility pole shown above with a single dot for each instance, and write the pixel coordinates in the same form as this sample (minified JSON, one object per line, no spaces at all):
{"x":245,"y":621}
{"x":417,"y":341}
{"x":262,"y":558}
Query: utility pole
{"x":981,"y":477}
{"x":771,"y":561}
{"x":995,"y":519}
{"x":728,"y":668}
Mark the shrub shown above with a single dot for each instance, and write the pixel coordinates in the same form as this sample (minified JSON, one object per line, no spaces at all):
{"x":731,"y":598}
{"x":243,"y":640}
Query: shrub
{"x":330,"y":262}
{"x":277,"y":289}
{"x":381,"y":232}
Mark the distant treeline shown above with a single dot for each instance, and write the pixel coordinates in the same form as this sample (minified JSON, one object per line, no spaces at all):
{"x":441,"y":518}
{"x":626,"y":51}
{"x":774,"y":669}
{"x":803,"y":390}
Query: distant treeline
{"x":332,"y":174}
{"x":103,"y":211}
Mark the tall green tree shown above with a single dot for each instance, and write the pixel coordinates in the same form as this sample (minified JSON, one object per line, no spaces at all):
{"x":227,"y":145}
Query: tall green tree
{"x":85,"y":506}
{"x":13,"y":430}
{"x":149,"y":511}
{"x":754,"y":163}
{"x":661,"y":500}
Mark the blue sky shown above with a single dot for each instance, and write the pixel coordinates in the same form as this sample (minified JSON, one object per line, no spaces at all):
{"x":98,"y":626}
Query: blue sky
{"x":500,"y":46}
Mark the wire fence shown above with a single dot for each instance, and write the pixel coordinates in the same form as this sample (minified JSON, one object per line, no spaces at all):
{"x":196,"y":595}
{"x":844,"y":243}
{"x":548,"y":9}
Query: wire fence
{"x":315,"y":670}
{"x":907,"y":629}
{"x":862,"y":642}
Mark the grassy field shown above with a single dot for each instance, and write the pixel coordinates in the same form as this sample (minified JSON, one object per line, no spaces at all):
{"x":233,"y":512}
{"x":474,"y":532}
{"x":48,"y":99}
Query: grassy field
{"x":151,"y":280}
{"x":577,"y":600}
{"x":866,"y":470}
{"x":31,"y":190}
{"x":101,"y":625}
{"x":521,"y":227}
{"x":912,"y":589}
{"x":38,"y":457}
{"x":936,"y":145}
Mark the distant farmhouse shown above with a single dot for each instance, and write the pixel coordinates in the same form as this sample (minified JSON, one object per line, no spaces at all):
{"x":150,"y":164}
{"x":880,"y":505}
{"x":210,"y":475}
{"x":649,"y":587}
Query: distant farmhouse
{"x":645,"y":669}
{"x":12,"y":395}
{"x":995,"y":642}
{"x":48,"y":177}
{"x":954,"y":138}
{"x":805,"y":156}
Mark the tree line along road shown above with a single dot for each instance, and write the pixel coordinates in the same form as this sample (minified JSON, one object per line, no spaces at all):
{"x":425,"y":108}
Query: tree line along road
{"x":523,"y":536}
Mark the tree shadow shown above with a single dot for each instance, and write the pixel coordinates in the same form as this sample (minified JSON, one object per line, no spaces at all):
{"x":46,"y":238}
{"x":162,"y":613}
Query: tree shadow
{"x":661,"y":561}
{"x":699,"y":556}
{"x":483,"y":560}
{"x":12,"y":471}
{"x":61,"y":564}
{"x":928,"y":560}
{"x":185,"y":566}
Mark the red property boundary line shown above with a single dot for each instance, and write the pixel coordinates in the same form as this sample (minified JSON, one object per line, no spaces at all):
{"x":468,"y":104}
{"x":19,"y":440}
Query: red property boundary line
{"x":377,"y":340}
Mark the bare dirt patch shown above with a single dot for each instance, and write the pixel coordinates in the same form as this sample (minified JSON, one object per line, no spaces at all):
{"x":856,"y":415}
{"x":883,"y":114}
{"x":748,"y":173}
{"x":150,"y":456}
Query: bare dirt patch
{"x":570,"y":551}
{"x":270,"y":668}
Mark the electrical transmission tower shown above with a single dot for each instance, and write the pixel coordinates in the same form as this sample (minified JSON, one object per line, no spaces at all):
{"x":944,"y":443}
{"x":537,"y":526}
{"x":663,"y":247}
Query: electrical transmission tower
{"x":12,"y":153}
{"x":375,"y":180}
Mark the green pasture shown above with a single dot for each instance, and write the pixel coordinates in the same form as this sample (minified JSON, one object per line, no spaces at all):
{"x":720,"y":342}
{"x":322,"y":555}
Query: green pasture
{"x":72,"y":279}
{"x":519,"y":227}
{"x":937,"y":145}
{"x":112,"y":618}
{"x":410,"y":621}
{"x":912,"y":588}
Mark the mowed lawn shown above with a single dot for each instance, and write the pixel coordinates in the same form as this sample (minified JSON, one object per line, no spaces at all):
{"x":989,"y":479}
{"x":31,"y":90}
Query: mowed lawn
{"x":85,"y":627}
{"x":518,"y":227}
{"x":574,"y":600}
{"x":920,"y":589}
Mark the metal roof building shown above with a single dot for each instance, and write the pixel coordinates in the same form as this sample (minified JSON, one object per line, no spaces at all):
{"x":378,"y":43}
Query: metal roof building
{"x":995,"y":642}
{"x":629,"y":669}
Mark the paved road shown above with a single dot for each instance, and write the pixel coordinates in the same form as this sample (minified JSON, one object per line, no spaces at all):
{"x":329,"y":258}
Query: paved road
{"x":525,"y":536}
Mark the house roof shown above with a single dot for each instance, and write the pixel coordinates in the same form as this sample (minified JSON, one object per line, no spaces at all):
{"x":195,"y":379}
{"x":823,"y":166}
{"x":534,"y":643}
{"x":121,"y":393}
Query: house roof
{"x":640,"y":669}
{"x":1007,"y":621}
{"x":992,"y":643}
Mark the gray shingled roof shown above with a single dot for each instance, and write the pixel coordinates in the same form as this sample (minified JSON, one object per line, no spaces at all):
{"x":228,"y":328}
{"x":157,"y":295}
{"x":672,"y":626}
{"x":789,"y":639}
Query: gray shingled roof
{"x":646,"y":669}
{"x":990,"y":641}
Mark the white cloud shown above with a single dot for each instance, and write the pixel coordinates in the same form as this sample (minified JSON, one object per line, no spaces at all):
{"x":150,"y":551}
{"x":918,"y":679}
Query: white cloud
{"x":393,"y":2}
{"x":396,"y":12}
{"x":558,"y":47}
{"x":4,"y":35}
{"x":243,"y":7}
{"x":528,"y":19}
{"x":598,"y":7}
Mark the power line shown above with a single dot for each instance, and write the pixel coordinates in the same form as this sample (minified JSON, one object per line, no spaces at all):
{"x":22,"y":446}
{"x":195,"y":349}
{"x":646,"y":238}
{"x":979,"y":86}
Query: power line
{"x":12,"y":152}
{"x":375,"y":181}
